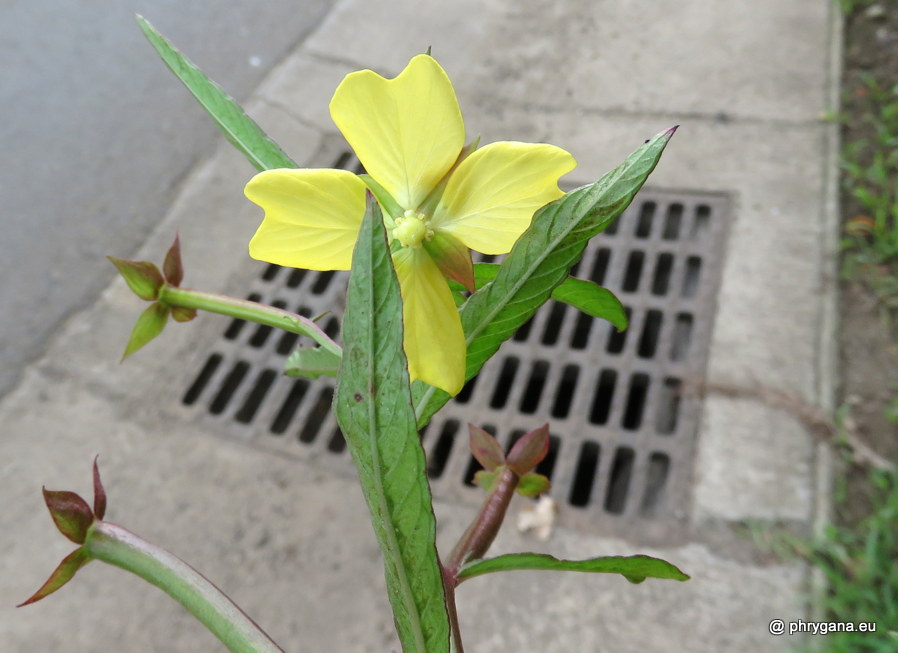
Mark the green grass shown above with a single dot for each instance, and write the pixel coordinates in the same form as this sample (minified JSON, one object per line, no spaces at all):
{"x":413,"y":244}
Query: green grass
{"x":870,"y":177}
{"x":860,"y":559}
{"x":862,"y":573}
{"x":850,"y":6}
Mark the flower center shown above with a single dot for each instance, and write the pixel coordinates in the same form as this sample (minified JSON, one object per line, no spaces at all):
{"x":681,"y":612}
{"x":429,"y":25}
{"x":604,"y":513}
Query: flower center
{"x":412,"y":229}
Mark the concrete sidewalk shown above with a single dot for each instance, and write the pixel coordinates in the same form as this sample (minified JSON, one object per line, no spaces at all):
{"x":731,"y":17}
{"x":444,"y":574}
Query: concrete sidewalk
{"x":290,"y":541}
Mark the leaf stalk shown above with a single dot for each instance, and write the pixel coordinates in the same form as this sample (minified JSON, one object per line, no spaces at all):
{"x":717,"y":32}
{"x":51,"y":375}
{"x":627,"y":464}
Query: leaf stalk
{"x":120,"y":547}
{"x":247,"y":310}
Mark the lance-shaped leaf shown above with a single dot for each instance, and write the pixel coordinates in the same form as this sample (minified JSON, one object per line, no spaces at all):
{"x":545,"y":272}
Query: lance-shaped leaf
{"x":172,"y":267}
{"x":312,"y":363}
{"x":540,"y":261}
{"x":590,"y":298}
{"x":70,"y":513}
{"x":586,"y":296}
{"x":532,"y":485}
{"x":529,"y":485}
{"x":148,"y":326}
{"x":452,"y":258}
{"x":634,"y":568}
{"x":142,"y":277}
{"x":63,"y":573}
{"x":485,"y":479}
{"x":99,"y":492}
{"x":529,"y":451}
{"x":485,"y":448}
{"x":390,"y":207}
{"x":181,"y":314}
{"x":374,"y":410}
{"x":240,"y":129}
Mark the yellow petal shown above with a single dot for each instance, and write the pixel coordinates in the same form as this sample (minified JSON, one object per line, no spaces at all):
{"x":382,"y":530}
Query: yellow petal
{"x":406,"y":131}
{"x":434,"y":340}
{"x":312,"y":217}
{"x":492,"y":195}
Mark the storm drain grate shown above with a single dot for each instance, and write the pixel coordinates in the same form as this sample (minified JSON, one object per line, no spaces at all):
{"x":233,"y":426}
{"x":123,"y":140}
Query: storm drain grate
{"x":623,"y":433}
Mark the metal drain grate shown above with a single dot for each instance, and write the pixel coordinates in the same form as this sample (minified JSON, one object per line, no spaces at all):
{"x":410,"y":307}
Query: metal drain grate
{"x":623,"y":435}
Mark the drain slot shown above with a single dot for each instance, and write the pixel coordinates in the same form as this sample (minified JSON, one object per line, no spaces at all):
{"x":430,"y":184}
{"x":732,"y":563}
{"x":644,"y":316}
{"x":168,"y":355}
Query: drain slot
{"x":436,"y":463}
{"x":585,"y":476}
{"x":505,"y":383}
{"x":621,"y":469}
{"x":317,"y":415}
{"x":290,"y":406}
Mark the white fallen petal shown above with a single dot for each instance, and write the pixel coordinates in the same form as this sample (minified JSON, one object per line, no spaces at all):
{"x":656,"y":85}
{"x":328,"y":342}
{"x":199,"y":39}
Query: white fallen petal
{"x":538,"y":517}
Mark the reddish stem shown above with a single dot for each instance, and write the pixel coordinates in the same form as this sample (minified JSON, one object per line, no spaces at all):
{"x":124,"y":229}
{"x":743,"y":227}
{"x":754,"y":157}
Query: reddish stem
{"x":478,"y":537}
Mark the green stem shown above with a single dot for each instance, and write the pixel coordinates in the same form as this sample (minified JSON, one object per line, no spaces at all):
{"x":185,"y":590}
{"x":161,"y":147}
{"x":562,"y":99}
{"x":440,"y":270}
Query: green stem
{"x":246,"y":310}
{"x":120,"y":547}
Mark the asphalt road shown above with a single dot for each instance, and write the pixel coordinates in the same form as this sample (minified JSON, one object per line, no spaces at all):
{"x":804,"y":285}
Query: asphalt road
{"x":97,"y":136}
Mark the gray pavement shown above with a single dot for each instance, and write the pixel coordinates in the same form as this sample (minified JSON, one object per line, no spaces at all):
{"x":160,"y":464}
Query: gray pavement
{"x":290,"y":541}
{"x":97,"y":138}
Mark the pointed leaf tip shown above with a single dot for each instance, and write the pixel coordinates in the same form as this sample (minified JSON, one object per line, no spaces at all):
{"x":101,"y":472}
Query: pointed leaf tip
{"x":99,"y":492}
{"x":485,"y":448}
{"x":453,"y":259}
{"x":148,"y":326}
{"x":142,"y":277}
{"x":238,"y":128}
{"x":529,"y":451}
{"x":172,"y":268}
{"x":70,"y":513}
{"x":60,"y":576}
{"x":668,"y":133}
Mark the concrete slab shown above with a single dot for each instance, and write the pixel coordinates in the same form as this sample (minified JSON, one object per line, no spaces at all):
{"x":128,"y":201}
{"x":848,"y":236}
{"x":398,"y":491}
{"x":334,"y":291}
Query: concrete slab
{"x":746,"y":61}
{"x":291,"y":541}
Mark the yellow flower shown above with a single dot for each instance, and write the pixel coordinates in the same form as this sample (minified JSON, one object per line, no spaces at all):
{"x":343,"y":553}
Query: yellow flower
{"x":438,"y":201}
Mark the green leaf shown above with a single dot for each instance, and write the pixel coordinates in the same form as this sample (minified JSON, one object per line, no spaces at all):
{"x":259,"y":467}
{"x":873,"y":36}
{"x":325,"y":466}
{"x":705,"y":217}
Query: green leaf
{"x":312,"y":363}
{"x":532,"y":485}
{"x":586,"y":296}
{"x":592,"y":299}
{"x":63,"y":573}
{"x":540,"y":261}
{"x":485,"y":479}
{"x":634,"y":568}
{"x":142,"y":277}
{"x":373,"y":407}
{"x":240,"y":129}
{"x":148,"y":326}
{"x":388,"y":204}
{"x":181,"y":314}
